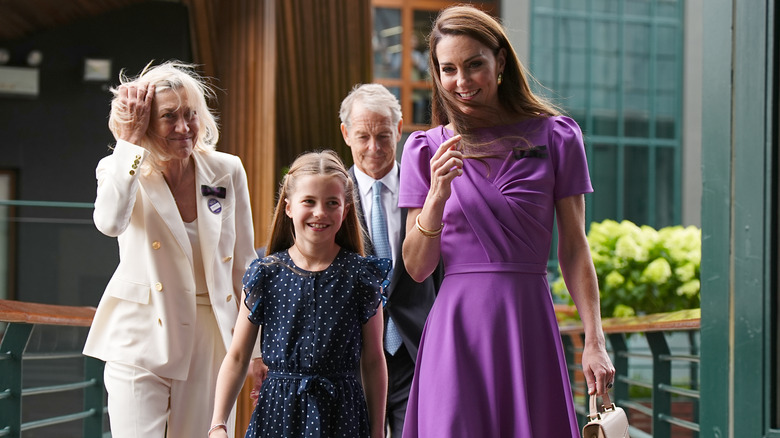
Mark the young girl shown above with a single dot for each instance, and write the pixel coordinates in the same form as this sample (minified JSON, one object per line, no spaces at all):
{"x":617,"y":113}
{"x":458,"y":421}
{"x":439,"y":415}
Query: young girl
{"x":318,"y":300}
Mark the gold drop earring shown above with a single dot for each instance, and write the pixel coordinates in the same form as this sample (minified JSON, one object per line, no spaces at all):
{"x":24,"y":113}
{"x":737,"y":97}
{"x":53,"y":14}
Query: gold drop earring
{"x":500,"y":78}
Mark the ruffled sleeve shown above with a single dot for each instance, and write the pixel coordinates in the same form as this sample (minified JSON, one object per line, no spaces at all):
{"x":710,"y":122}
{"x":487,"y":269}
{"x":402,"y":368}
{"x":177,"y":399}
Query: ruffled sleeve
{"x":255,"y":285}
{"x":416,"y":166}
{"x":567,"y":151}
{"x":373,"y":279}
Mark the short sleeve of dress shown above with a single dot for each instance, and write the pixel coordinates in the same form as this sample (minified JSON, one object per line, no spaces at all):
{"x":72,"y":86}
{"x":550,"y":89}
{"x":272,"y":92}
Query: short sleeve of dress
{"x":416,"y":169}
{"x":255,"y":284}
{"x":567,"y":151}
{"x":372,"y":280}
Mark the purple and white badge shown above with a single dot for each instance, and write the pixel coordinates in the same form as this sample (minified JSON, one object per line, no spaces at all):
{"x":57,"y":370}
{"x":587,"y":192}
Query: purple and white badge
{"x":215,"y":206}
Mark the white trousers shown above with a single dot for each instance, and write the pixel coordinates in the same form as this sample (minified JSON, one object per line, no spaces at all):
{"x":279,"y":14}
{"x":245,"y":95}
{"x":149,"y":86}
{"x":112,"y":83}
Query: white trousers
{"x":141,"y":404}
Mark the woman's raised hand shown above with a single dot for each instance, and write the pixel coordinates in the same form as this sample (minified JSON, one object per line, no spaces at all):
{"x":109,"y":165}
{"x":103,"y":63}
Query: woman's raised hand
{"x":137,"y":101}
{"x":446,"y":165}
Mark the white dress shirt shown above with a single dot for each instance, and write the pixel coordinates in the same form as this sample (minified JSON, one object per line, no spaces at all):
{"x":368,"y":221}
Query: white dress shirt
{"x":389,"y":202}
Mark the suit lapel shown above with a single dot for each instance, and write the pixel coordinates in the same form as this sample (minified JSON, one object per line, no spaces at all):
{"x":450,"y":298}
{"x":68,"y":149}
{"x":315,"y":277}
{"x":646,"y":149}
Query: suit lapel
{"x":369,"y":246}
{"x":210,"y":216}
{"x":161,"y":198}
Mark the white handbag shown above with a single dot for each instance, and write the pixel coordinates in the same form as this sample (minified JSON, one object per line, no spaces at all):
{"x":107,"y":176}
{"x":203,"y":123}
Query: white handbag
{"x":608,"y":422}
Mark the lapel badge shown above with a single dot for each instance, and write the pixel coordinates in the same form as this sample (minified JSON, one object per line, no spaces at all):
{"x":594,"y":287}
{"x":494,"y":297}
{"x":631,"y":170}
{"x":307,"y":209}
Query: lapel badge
{"x":215,"y":206}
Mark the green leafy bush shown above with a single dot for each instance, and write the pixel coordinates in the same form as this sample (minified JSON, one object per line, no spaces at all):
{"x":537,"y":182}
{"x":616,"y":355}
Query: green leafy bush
{"x":642,"y":270}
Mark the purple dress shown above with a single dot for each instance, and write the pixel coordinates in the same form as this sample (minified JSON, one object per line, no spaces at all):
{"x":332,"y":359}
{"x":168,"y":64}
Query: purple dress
{"x":491,"y":362}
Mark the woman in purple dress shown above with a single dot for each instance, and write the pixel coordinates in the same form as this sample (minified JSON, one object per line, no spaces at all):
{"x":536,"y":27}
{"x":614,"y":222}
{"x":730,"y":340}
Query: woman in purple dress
{"x":483,"y":190}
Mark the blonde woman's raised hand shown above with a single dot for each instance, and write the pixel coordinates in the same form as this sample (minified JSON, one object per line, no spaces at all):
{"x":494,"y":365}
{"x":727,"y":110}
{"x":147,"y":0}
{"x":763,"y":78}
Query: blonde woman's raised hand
{"x":137,"y":102}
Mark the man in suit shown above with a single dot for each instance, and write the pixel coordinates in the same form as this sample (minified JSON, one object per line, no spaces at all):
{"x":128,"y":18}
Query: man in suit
{"x":371,"y":125}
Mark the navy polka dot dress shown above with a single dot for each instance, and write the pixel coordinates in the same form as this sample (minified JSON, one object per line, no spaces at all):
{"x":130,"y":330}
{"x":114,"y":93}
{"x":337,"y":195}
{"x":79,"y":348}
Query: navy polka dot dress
{"x":311,"y":342}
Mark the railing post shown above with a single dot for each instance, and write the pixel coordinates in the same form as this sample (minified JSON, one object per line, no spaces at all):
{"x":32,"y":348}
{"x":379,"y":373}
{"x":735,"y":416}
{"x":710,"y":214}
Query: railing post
{"x":94,"y":397}
{"x":568,"y":352}
{"x":11,"y":350}
{"x":694,"y":376}
{"x":585,"y":401}
{"x":620,"y":361}
{"x":662,"y":374}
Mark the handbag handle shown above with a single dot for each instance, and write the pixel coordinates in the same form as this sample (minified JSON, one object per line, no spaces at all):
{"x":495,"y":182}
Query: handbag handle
{"x":607,"y":405}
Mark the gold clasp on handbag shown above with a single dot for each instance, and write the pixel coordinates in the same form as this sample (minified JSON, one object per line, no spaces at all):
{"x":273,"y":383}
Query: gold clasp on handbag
{"x":605,"y":409}
{"x":594,"y":417}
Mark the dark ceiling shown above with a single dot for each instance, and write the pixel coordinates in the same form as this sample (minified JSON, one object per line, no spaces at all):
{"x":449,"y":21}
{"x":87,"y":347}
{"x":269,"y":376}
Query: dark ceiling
{"x":22,"y":18}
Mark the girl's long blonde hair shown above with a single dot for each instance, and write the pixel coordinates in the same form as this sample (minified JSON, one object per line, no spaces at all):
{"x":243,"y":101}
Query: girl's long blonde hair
{"x":320,"y":163}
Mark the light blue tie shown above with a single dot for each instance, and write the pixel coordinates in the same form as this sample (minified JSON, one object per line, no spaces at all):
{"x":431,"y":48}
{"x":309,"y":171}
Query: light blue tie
{"x":382,"y":249}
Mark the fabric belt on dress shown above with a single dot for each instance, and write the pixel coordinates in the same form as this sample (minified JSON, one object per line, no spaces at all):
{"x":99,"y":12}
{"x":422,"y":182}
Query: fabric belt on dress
{"x":308,"y":381}
{"x":202,"y":300}
{"x":521,"y":268}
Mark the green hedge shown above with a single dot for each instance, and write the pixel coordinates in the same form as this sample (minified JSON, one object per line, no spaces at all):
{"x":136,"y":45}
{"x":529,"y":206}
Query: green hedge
{"x":642,"y":270}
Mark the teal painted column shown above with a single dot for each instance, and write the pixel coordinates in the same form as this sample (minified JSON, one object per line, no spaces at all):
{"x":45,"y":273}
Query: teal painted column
{"x":716,"y":400}
{"x":737,"y":208}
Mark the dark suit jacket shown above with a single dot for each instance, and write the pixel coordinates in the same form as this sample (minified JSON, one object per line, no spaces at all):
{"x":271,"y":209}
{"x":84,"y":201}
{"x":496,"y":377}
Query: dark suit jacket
{"x":408,"y":302}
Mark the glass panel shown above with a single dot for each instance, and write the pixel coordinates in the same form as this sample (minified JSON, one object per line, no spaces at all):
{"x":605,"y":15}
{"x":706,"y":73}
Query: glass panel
{"x":635,"y":201}
{"x":396,"y":91}
{"x":573,"y":5}
{"x":668,"y":8}
{"x":636,"y":67}
{"x":666,"y":81}
{"x":609,"y":6}
{"x":637,"y":7}
{"x":6,"y":182}
{"x":421,"y":106}
{"x":387,"y":43}
{"x":67,"y":343}
{"x":604,"y":179}
{"x":419,"y":43}
{"x":605,"y":123}
{"x":664,"y":187}
{"x":572,"y":63}
{"x":605,"y":64}
{"x":635,"y":125}
{"x":543,"y":61}
{"x":64,"y":232}
{"x":605,"y":48}
{"x":665,"y":127}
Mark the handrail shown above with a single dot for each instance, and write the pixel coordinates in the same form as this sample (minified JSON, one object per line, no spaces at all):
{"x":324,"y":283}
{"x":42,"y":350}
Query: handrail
{"x":21,"y":318}
{"x":689,"y":319}
{"x":49,"y":314}
{"x":54,"y":204}
{"x":654,"y":327}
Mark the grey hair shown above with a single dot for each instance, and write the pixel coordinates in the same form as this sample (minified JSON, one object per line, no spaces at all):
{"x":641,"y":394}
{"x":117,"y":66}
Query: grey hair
{"x":374,"y":97}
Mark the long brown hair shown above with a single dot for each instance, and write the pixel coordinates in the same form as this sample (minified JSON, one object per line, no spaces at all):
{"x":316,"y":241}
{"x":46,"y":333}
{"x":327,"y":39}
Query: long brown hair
{"x":514,"y":93}
{"x":320,"y":163}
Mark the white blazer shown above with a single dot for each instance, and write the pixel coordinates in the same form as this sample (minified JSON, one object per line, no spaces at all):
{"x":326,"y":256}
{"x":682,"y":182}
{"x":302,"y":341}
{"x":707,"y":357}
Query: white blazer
{"x":147,"y":313}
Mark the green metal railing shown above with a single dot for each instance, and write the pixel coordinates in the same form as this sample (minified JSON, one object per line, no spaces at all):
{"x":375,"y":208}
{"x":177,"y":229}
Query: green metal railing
{"x":658,"y":416}
{"x":21,"y":320}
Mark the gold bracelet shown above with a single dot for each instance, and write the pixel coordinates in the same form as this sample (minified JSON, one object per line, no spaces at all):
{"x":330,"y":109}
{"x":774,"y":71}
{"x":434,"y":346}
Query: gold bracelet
{"x":428,"y":233}
{"x":217,"y":426}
